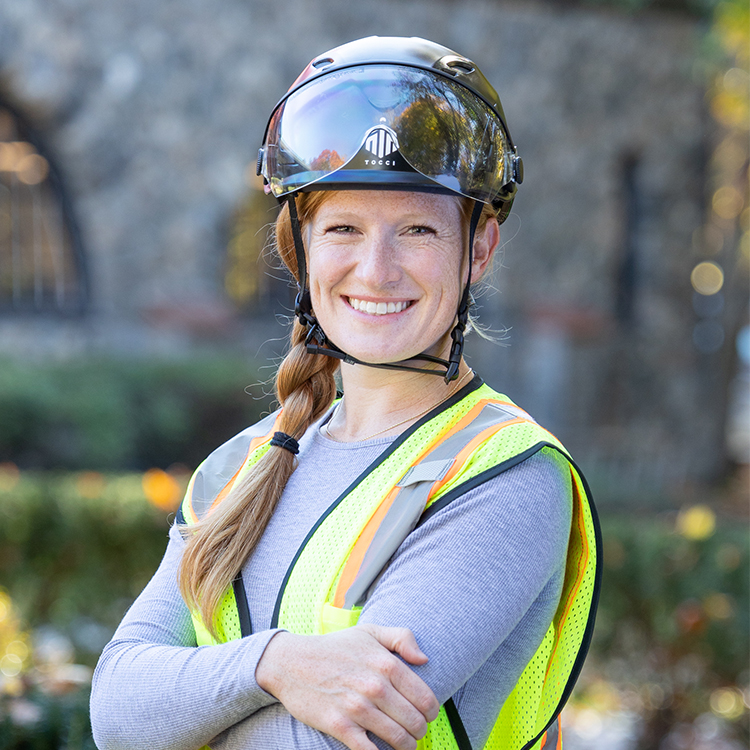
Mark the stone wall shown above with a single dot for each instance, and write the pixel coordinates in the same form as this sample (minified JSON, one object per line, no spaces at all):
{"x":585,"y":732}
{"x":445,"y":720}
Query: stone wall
{"x":155,"y":111}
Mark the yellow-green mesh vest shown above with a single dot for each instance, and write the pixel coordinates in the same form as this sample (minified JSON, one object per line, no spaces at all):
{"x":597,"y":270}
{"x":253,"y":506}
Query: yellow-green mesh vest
{"x":309,"y":601}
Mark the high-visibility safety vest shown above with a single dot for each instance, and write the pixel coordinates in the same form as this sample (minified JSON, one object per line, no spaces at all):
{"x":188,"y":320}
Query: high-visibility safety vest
{"x":467,"y":440}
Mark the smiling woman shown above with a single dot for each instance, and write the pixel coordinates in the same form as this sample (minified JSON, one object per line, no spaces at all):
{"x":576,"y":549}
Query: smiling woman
{"x":386,"y":271}
{"x":416,"y":561}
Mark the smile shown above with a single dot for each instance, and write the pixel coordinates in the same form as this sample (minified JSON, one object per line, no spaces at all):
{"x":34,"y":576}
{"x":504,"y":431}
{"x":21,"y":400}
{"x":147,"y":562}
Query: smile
{"x":377,"y":308}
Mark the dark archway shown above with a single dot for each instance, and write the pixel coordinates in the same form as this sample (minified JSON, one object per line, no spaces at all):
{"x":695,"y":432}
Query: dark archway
{"x":42,"y":262}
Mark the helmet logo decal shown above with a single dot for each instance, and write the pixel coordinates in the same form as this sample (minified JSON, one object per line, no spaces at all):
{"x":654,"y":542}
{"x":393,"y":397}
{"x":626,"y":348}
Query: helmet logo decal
{"x":381,"y":142}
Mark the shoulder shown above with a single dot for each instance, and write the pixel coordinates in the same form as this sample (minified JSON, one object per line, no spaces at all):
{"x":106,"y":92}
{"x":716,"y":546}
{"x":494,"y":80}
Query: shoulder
{"x":536,"y":489}
{"x":220,"y":468}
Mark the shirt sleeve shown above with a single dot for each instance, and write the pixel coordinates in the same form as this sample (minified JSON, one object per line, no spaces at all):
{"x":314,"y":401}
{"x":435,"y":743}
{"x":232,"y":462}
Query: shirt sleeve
{"x":478,"y":584}
{"x":153,"y":688}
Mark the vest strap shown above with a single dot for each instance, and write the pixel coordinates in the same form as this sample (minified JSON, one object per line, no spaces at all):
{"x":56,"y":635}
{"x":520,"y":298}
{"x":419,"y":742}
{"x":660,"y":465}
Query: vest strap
{"x":402,"y":508}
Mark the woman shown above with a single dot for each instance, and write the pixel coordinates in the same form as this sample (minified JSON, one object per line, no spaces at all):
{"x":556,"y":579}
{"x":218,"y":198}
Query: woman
{"x":417,"y":560}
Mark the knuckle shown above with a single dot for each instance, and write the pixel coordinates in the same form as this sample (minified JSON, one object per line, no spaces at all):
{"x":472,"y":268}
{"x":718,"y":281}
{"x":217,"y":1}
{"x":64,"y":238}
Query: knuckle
{"x":355,"y":705}
{"x":401,"y":739}
{"x":420,"y":729}
{"x":374,"y":688}
{"x":428,"y":705}
{"x":404,"y":635}
{"x":385,"y":665}
{"x":378,"y":690}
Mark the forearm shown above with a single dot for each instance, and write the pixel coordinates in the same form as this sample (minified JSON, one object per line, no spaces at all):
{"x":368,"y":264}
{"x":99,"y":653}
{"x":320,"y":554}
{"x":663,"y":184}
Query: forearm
{"x":153,"y":688}
{"x":174,"y":698}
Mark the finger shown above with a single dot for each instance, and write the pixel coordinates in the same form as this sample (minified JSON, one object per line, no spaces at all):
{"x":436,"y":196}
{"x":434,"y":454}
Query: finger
{"x":352,"y":735}
{"x":400,"y":693}
{"x":401,"y":710}
{"x":415,"y":690}
{"x":408,"y":684}
{"x":375,"y":717}
{"x":398,"y":640}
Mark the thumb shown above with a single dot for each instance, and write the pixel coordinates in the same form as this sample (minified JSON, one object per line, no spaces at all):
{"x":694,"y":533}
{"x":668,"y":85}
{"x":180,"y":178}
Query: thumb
{"x":399,"y":640}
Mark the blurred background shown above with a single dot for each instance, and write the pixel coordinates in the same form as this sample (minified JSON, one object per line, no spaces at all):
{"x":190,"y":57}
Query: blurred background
{"x":141,"y":315}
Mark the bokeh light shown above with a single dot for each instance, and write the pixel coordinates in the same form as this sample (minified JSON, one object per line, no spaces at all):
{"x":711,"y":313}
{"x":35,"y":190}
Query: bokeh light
{"x":19,"y":648}
{"x":33,"y":169}
{"x":727,"y":202}
{"x":727,"y":702}
{"x":718,"y":606}
{"x":9,"y":476}
{"x":161,"y":489}
{"x":707,"y":277}
{"x":696,"y":523}
{"x":11,"y":665}
{"x":13,"y":154}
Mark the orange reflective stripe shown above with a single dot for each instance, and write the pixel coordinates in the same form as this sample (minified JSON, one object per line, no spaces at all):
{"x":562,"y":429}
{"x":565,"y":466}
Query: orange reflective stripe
{"x":188,"y":506}
{"x":353,"y":562}
{"x":581,"y":568}
{"x":255,"y":443}
{"x":479,"y":439}
{"x":466,"y":420}
{"x":463,"y":456}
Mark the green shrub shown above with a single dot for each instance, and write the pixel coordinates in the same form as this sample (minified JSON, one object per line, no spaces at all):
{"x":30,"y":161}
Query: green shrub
{"x":671,"y":634}
{"x":77,"y":547}
{"x":685,"y":596}
{"x":118,"y":414}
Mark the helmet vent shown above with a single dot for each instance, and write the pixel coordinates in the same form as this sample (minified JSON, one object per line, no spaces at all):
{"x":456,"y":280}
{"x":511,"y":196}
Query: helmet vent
{"x":456,"y":65}
{"x":324,"y":62}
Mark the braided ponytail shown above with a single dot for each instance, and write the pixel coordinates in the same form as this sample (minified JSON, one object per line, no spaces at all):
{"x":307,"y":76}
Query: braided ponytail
{"x":218,"y":545}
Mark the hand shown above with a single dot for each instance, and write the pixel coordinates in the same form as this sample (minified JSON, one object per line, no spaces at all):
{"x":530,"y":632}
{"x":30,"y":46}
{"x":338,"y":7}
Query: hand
{"x":348,"y":683}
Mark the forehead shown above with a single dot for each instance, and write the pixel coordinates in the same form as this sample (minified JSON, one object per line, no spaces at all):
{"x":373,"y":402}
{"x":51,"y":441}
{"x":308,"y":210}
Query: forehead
{"x":389,"y":203}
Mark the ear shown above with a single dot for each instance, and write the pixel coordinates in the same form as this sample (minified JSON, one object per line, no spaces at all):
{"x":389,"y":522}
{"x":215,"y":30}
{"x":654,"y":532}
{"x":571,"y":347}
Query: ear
{"x":485,"y":244}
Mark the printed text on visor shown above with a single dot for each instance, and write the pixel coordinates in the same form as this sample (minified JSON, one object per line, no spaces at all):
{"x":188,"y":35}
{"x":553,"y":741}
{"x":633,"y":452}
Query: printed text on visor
{"x":443,"y":130}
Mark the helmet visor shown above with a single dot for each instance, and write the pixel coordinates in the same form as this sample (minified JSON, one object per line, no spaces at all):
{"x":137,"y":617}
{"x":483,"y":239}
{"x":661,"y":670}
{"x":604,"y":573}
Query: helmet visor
{"x":443,"y":130}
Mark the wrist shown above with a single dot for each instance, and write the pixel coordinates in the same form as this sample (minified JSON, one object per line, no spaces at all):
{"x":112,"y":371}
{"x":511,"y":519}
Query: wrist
{"x":269,"y":669}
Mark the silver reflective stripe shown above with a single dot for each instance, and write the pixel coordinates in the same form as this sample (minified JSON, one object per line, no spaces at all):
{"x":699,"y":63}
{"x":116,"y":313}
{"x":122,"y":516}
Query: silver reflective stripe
{"x":553,"y":733}
{"x":411,"y":499}
{"x":426,"y":471}
{"x":219,"y":468}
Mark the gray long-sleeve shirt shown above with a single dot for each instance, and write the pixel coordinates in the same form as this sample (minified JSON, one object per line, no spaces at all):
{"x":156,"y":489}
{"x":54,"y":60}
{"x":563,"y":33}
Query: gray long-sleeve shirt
{"x":477,"y":583}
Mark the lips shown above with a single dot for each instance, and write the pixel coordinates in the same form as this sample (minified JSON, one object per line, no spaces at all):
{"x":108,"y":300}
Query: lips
{"x":378,"y":308}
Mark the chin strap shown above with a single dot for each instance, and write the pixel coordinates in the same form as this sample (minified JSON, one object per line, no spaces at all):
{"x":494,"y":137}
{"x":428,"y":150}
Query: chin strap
{"x":316,"y":342}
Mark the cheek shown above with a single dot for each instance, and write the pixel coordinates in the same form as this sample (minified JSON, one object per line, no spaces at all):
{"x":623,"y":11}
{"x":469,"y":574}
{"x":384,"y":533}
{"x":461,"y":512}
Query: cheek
{"x":441,"y":275}
{"x":322,"y":281}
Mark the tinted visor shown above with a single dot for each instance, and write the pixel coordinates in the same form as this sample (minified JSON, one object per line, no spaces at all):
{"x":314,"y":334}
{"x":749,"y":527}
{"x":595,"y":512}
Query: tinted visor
{"x":443,"y":131}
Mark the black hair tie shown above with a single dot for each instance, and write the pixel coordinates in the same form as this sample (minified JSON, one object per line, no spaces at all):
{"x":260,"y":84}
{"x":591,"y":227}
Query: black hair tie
{"x":282,"y":440}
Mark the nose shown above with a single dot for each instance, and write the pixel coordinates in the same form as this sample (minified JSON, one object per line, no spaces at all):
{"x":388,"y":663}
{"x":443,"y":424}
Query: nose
{"x":377,"y":264}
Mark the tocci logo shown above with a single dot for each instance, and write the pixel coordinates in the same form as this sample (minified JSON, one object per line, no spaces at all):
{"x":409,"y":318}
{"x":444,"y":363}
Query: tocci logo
{"x":380,"y":142}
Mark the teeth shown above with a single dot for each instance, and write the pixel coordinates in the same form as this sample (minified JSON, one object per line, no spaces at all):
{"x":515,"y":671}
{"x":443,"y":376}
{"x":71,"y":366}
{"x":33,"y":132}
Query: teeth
{"x":377,"y":308}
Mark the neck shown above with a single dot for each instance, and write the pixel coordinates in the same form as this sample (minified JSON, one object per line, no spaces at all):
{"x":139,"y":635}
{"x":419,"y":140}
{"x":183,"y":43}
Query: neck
{"x":386,"y":402}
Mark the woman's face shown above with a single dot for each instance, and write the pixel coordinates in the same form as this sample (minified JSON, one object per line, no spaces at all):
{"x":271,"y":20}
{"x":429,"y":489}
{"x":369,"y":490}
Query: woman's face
{"x":386,"y":271}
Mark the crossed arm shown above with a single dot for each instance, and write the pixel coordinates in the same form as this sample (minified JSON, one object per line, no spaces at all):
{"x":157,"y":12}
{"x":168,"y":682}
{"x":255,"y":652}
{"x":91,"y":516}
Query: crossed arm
{"x":486,"y":573}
